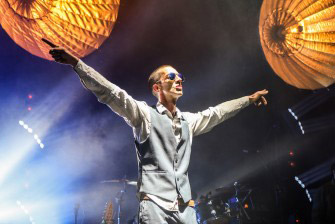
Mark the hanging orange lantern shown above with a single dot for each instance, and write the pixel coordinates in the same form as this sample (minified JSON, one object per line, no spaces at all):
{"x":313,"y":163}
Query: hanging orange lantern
{"x":298,"y":40}
{"x":80,"y":26}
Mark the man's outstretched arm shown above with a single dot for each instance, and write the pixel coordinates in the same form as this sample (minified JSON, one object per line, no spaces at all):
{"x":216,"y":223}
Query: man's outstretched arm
{"x":206,"y":120}
{"x":134,"y":112}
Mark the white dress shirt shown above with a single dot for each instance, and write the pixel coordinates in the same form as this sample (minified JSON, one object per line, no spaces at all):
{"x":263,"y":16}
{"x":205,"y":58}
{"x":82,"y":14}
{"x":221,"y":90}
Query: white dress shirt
{"x":137,"y":114}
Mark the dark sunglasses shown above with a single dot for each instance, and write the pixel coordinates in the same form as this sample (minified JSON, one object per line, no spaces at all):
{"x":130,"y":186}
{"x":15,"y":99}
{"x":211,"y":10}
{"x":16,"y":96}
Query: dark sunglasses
{"x":172,"y":76}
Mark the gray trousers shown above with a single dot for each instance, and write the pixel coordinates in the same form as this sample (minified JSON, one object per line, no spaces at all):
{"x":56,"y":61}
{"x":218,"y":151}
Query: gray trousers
{"x":151,"y":213}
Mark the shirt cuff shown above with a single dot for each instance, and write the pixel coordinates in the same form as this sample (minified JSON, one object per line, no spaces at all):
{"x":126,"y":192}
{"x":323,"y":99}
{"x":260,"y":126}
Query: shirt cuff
{"x":79,"y":66}
{"x":245,"y":101}
{"x":82,"y":71}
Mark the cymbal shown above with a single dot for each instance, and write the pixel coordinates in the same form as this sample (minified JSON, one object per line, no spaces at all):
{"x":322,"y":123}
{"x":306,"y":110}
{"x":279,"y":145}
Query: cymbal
{"x":129,"y":182}
{"x":227,"y":192}
{"x":222,"y":192}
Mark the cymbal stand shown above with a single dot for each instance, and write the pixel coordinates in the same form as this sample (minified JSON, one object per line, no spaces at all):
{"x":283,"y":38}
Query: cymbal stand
{"x":119,"y":202}
{"x":240,"y":205}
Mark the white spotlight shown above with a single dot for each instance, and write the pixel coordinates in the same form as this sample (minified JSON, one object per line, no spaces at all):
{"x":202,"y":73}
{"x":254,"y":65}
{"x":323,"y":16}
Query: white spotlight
{"x":25,"y":126}
{"x":21,"y":122}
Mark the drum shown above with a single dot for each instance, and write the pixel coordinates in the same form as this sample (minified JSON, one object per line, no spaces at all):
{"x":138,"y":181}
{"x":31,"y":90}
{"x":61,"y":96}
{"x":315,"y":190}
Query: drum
{"x":219,"y":206}
{"x":211,"y":211}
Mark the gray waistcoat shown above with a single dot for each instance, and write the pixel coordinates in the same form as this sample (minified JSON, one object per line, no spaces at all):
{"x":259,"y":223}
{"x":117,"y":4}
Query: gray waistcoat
{"x":163,"y":163}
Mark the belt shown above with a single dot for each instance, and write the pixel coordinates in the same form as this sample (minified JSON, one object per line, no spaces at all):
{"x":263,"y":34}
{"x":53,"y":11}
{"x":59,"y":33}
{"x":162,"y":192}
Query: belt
{"x":190,"y":203}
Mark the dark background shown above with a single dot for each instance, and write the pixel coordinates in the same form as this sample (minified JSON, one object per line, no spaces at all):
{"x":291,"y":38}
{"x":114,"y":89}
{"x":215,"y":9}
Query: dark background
{"x":215,"y":44}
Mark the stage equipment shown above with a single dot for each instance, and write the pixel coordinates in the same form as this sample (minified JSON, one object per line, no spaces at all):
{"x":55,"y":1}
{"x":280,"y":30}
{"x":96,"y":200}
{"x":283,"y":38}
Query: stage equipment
{"x":311,"y":102}
{"x":76,"y":209}
{"x":108,"y":214}
{"x":79,"y":26}
{"x":223,"y":205}
{"x":297,"y":37}
{"x":315,"y":175}
{"x":120,"y":195}
{"x":128,"y":182}
{"x":303,"y":186}
{"x":30,"y":130}
{"x":317,"y":124}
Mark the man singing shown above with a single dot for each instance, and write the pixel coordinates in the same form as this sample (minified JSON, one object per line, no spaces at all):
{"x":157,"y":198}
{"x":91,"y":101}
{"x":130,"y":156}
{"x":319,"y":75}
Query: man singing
{"x":163,"y":136}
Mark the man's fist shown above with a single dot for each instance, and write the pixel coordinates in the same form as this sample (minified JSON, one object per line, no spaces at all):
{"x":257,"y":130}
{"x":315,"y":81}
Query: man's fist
{"x":258,"y":98}
{"x":60,"y":55}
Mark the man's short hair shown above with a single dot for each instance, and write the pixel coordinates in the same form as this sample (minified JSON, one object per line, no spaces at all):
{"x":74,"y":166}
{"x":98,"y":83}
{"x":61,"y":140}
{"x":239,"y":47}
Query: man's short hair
{"x":155,"y":76}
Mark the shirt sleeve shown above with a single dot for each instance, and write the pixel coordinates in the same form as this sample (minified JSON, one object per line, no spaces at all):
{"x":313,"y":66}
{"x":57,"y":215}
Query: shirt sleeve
{"x":135,"y":113}
{"x":206,"y":120}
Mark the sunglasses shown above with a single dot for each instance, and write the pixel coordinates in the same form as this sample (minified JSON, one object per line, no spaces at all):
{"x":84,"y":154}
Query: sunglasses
{"x":172,"y":76}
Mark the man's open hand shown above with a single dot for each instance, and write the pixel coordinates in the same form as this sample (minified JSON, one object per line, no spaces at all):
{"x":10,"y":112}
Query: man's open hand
{"x":60,"y":55}
{"x":258,"y":98}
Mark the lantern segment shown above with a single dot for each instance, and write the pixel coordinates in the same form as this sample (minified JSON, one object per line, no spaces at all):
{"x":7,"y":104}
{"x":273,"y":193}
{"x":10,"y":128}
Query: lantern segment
{"x":79,"y":26}
{"x":298,"y":40}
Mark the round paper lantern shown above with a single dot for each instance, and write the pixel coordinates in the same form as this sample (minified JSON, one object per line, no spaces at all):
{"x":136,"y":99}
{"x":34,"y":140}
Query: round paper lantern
{"x":80,"y":26}
{"x":298,"y":40}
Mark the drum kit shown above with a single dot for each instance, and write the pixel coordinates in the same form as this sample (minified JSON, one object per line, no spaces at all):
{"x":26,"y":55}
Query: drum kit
{"x":224,"y":205}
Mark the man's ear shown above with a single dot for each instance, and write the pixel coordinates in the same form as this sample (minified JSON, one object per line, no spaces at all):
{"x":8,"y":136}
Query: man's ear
{"x":156,"y":88}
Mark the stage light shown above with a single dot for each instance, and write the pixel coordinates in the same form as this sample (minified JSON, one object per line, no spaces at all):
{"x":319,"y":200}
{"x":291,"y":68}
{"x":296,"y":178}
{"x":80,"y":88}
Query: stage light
{"x":47,"y":199}
{"x":309,"y":196}
{"x":301,"y":128}
{"x":25,"y":210}
{"x":30,"y":130}
{"x":30,"y":96}
{"x":309,"y":103}
{"x":303,"y":186}
{"x":292,"y":164}
{"x":29,"y":108}
{"x":317,"y":173}
{"x":291,"y":153}
{"x":292,"y":113}
{"x":317,"y":124}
